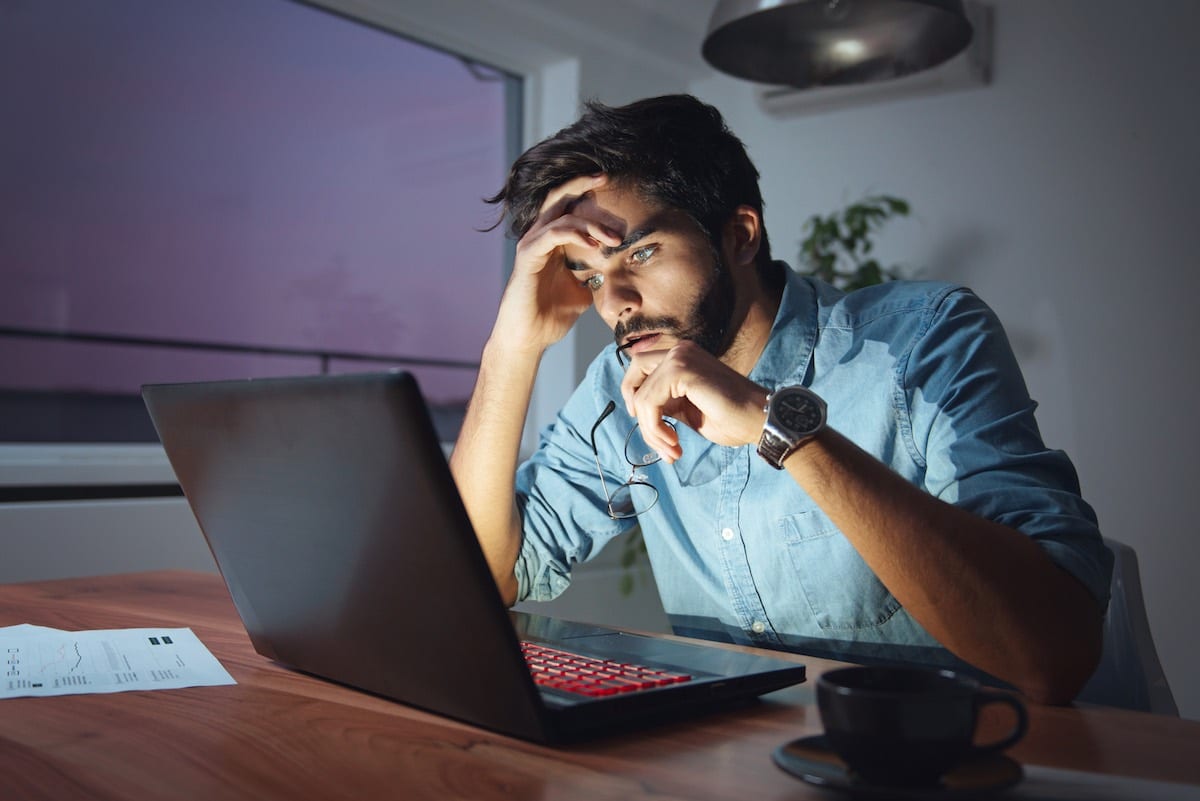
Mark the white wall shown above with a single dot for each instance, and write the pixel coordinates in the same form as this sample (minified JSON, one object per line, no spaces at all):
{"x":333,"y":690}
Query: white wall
{"x":91,"y":538}
{"x":1064,"y":194}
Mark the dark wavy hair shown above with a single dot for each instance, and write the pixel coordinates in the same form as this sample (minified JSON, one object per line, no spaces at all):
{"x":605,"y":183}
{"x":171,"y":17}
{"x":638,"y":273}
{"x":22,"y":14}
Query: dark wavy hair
{"x":675,"y":150}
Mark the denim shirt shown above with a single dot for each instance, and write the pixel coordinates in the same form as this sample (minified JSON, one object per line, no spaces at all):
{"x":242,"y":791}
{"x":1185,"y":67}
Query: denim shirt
{"x":919,"y":374}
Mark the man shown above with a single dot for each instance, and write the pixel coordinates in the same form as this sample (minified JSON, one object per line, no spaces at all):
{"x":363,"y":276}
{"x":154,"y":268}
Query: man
{"x":859,"y":468}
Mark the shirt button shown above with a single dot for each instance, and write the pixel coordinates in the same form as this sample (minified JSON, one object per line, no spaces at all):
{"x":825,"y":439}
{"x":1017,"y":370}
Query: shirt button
{"x":758,"y":627}
{"x":727,"y":534}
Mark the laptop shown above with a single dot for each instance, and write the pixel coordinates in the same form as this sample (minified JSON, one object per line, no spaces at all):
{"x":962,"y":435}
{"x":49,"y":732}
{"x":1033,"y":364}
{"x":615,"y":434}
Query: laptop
{"x":329,"y":507}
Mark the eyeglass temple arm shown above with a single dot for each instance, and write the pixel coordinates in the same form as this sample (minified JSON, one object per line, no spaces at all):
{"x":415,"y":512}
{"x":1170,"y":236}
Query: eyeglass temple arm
{"x":603,"y":416}
{"x":596,"y":453}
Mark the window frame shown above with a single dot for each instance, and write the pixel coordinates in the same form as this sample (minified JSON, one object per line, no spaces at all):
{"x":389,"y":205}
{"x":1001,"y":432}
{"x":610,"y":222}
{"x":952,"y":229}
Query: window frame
{"x":550,"y":100}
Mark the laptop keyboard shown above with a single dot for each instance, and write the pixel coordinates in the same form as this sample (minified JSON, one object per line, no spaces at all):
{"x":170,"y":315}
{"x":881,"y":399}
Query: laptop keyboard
{"x":585,"y":675}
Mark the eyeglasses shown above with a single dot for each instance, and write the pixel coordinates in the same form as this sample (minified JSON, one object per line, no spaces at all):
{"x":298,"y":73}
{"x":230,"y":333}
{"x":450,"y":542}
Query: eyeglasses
{"x":636,"y":495}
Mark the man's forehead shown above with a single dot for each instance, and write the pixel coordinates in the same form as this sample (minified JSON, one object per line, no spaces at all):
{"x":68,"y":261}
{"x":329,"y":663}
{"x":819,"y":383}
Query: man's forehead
{"x":626,"y":212}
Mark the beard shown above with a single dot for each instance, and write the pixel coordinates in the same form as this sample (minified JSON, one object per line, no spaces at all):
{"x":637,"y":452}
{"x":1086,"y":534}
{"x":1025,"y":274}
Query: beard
{"x":708,"y":323}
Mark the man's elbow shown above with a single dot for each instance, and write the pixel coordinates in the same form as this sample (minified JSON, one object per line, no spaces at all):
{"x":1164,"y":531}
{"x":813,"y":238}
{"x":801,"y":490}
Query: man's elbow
{"x":1051,"y":690}
{"x":1056,"y":675}
{"x":507,"y":586}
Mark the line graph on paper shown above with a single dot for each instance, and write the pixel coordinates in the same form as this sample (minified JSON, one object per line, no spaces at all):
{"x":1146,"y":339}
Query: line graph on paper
{"x":61,"y":662}
{"x":47,"y":663}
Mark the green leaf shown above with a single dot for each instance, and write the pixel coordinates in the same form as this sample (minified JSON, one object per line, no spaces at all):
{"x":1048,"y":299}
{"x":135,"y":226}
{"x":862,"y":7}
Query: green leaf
{"x":869,"y":273}
{"x":845,"y":238}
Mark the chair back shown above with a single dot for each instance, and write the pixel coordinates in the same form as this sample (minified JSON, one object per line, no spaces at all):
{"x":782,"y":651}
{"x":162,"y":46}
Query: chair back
{"x":1129,"y":674}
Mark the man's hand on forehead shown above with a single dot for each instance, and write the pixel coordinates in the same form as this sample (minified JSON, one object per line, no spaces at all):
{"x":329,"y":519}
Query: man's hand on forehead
{"x":543,"y":299}
{"x":576,"y":198}
{"x":562,"y":199}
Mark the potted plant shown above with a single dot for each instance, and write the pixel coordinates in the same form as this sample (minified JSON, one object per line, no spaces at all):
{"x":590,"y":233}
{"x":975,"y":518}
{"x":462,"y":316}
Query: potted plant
{"x":838,"y":248}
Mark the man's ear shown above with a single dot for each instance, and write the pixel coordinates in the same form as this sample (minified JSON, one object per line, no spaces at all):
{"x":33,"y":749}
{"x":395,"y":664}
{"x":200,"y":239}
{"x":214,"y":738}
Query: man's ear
{"x":741,"y":236}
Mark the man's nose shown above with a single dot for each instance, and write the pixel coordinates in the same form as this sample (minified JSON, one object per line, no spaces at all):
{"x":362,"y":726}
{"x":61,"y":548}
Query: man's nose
{"x":617,"y":298}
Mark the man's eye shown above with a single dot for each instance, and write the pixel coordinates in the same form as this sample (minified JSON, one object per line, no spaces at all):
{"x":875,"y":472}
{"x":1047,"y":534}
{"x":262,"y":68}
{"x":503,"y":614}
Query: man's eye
{"x":642,"y":255}
{"x":593,"y":282}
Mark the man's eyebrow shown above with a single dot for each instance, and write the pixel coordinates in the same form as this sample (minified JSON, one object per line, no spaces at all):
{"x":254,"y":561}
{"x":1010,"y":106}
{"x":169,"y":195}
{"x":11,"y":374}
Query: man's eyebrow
{"x":606,"y":252}
{"x":629,"y":241}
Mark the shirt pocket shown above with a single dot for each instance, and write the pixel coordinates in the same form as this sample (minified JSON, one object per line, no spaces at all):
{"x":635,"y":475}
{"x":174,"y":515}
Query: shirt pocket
{"x":841,"y":591}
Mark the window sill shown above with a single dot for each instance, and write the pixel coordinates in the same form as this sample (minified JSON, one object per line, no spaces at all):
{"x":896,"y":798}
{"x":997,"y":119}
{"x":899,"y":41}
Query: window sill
{"x":83,"y":464}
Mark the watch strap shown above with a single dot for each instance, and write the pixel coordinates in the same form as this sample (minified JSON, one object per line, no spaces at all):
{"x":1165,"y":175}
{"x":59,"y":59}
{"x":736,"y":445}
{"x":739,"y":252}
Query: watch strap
{"x":773,"y":449}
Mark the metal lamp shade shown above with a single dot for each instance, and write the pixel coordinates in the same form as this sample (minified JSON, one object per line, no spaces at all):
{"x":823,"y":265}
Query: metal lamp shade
{"x":805,"y":43}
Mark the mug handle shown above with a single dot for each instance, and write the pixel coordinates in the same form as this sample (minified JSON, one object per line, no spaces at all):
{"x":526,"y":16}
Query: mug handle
{"x":982,"y":699}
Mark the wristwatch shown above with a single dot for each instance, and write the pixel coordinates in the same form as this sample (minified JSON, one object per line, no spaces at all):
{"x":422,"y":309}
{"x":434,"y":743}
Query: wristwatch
{"x":794,"y":415}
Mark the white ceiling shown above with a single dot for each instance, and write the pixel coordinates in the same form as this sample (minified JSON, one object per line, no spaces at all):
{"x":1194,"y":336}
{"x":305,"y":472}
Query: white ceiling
{"x":668,"y":22}
{"x":664,"y":35}
{"x":665,"y":31}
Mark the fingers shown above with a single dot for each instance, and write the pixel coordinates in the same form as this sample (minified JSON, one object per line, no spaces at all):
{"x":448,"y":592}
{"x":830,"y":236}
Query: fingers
{"x":648,"y":404}
{"x":694,"y":387}
{"x":559,"y":199}
{"x":640,"y":368}
{"x":596,"y":226}
{"x":544,"y":298}
{"x":541,"y":242}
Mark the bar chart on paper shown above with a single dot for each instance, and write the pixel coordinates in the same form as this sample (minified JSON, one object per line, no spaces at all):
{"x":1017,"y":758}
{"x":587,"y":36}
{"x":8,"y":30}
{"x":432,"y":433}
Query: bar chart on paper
{"x":40,"y":661}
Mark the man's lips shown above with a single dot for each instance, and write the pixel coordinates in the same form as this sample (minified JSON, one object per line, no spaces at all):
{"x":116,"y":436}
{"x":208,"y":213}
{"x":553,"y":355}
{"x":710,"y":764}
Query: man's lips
{"x":640,"y":342}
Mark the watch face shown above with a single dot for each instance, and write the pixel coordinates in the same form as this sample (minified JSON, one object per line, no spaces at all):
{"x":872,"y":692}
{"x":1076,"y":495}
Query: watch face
{"x":798,"y":412}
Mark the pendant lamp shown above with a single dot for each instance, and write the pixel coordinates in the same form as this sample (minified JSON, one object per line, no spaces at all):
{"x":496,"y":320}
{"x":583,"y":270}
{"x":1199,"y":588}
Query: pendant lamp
{"x":807,"y":43}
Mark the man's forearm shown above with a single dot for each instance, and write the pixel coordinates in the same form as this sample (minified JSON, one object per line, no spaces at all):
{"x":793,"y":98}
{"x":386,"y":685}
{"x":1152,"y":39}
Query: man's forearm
{"x":985,"y":591}
{"x":484,"y":460}
{"x":542,"y":301}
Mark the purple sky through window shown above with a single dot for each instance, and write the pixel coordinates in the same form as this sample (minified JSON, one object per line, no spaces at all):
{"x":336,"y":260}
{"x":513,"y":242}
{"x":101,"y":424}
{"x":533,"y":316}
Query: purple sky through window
{"x":239,"y":171}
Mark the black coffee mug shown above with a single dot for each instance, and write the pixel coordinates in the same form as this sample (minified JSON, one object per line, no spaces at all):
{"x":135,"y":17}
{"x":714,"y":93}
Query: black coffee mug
{"x":907,"y":726}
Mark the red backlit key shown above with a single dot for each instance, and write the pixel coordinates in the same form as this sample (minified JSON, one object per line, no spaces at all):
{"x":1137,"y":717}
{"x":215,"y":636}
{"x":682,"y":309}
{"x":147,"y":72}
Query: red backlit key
{"x":584,"y":675}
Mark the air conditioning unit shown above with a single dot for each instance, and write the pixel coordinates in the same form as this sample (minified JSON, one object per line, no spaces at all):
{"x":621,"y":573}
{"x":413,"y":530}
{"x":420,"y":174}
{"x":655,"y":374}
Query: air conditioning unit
{"x":970,"y":68}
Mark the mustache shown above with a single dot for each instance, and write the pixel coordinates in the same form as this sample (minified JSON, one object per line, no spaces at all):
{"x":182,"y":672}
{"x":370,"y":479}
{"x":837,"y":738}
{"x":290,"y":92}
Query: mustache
{"x":638,"y":325}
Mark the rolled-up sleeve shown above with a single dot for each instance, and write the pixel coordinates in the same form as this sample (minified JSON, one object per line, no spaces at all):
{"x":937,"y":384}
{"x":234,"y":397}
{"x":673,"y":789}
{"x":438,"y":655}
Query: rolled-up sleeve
{"x":972,"y":422}
{"x":561,"y":500}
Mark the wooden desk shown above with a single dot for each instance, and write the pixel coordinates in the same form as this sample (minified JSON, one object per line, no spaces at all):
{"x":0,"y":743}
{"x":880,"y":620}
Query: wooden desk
{"x":282,"y":735}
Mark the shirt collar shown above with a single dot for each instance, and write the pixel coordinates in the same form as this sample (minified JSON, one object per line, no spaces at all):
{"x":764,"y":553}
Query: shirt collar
{"x":784,"y":361}
{"x":787,"y":358}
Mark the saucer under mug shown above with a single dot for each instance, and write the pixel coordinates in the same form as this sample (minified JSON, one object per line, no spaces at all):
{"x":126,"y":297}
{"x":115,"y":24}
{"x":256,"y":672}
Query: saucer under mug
{"x":906,"y":726}
{"x":811,"y":760}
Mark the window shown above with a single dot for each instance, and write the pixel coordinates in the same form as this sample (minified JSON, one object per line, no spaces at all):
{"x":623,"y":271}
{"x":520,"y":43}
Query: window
{"x":208,"y":189}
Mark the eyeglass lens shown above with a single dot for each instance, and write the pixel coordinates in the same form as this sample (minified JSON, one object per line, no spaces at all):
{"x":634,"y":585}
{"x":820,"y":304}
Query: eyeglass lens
{"x":637,"y":452}
{"x":632,"y":498}
{"x":636,"y":495}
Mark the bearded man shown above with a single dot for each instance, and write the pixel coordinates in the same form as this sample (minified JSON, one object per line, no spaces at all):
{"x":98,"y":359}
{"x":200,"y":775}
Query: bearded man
{"x":807,"y":466}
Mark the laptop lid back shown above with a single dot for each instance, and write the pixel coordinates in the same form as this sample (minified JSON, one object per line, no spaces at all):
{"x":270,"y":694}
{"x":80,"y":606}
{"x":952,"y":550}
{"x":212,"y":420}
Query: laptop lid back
{"x":328,"y":505}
